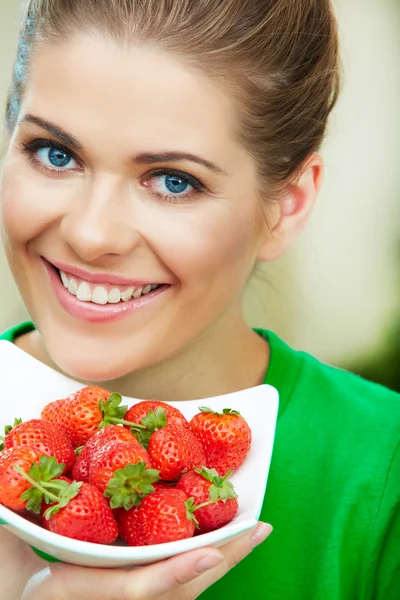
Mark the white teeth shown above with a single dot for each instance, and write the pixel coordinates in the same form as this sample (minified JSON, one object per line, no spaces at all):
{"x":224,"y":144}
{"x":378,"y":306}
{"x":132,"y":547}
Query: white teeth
{"x":127,"y":294}
{"x":99,"y":295}
{"x":114,"y":296}
{"x":72,"y":287}
{"x":84,"y":293}
{"x":64,"y":279}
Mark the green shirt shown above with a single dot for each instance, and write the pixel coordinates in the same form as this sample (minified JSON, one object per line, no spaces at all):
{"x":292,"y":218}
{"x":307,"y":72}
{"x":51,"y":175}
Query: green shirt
{"x":333,"y":493}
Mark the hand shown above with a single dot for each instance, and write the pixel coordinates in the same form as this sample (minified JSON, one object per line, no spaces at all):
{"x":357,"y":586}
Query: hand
{"x":183,"y":577}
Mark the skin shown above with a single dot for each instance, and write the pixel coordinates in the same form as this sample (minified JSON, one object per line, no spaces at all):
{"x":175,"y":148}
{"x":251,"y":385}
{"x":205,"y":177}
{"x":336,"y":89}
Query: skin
{"x":104,"y":217}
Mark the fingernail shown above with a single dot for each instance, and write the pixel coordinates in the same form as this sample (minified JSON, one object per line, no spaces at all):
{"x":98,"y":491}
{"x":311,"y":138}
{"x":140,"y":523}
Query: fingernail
{"x":262,"y":532}
{"x":208,"y":562}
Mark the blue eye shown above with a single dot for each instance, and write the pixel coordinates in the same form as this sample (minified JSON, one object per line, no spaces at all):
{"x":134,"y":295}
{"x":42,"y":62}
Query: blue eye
{"x":168,"y":184}
{"x":56,"y":158}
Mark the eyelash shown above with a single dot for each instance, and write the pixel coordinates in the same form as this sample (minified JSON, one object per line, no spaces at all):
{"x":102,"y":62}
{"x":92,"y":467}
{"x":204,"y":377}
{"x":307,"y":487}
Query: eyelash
{"x":31,"y":148}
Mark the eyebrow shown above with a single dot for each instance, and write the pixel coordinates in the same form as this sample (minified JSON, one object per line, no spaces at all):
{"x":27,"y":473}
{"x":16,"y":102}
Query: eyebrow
{"x":146,"y":158}
{"x":149,"y":158}
{"x":64,"y":137}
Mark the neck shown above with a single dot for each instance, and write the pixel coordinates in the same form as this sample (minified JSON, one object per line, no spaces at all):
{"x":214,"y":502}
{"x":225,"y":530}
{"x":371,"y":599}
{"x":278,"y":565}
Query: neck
{"x":228,"y":357}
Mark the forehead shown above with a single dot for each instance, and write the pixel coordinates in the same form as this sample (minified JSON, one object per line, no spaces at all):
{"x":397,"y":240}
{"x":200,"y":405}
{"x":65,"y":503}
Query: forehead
{"x":89,"y":85}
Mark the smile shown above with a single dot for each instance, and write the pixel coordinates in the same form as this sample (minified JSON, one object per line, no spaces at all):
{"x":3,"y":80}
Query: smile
{"x":103,"y":294}
{"x":101,"y":298}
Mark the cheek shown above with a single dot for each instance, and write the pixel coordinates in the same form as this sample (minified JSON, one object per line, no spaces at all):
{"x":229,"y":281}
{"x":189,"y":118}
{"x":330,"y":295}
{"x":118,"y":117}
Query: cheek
{"x":29,"y":203}
{"x":216,"y":243}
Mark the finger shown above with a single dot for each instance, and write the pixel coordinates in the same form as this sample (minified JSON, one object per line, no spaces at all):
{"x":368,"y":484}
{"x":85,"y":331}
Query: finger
{"x":145,"y":583}
{"x":234,"y":553}
{"x":166,"y":576}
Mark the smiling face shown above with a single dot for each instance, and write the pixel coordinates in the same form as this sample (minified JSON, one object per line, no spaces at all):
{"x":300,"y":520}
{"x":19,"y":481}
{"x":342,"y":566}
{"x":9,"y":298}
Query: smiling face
{"x":123,"y":172}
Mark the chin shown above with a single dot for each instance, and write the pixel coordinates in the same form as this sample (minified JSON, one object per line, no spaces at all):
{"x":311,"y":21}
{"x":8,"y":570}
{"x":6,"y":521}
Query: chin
{"x":85,"y":371}
{"x":90,"y":365}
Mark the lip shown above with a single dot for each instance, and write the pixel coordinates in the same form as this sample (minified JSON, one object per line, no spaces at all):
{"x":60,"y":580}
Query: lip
{"x":100,"y":278}
{"x":96,"y":313}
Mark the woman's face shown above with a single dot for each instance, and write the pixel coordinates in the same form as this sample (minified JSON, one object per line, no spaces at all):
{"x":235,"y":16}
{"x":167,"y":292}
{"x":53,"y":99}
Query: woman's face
{"x":123,"y":174}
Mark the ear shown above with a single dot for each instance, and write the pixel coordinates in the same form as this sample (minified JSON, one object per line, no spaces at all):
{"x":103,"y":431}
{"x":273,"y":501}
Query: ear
{"x":290,"y":215}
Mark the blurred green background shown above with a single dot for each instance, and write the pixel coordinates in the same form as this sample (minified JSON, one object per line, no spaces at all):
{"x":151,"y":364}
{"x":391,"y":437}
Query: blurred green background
{"x":337,"y":292}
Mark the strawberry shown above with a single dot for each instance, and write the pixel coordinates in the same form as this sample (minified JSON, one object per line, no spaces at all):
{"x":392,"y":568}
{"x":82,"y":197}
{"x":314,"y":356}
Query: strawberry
{"x":12,"y":483}
{"x":154,"y":414}
{"x":80,"y":470}
{"x":174,"y":451}
{"x":79,"y":415}
{"x":43,"y":436}
{"x":161,"y":517}
{"x":86,"y":517}
{"x":225,"y":438}
{"x":110,"y":433}
{"x":86,"y":411}
{"x":206,"y":486}
{"x":75,"y":510}
{"x":51,"y":411}
{"x":121,"y":471}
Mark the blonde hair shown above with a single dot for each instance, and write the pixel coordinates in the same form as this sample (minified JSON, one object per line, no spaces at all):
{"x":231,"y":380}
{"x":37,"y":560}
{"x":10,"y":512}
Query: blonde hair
{"x":278,"y":58}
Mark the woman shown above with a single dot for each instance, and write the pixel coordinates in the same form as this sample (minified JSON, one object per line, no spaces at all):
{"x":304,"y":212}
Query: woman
{"x":157,"y":150}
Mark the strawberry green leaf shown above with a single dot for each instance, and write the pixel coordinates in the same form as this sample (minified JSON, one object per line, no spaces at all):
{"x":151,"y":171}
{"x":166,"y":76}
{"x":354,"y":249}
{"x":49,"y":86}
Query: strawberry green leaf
{"x":155,"y":420}
{"x":221,"y":488}
{"x":205,"y":409}
{"x":45,"y":485}
{"x":143,"y":437}
{"x":33,"y":499}
{"x":49,"y":468}
{"x":113,"y":413}
{"x":111,"y":409}
{"x":190,"y":510}
{"x":7,"y":430}
{"x":66,"y":494}
{"x":130,"y":485}
{"x":226,"y":411}
{"x":230,"y":411}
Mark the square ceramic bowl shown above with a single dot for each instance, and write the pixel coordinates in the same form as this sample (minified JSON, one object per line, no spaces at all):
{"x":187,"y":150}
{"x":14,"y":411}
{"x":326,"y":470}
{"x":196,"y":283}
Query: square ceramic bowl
{"x":27,"y":385}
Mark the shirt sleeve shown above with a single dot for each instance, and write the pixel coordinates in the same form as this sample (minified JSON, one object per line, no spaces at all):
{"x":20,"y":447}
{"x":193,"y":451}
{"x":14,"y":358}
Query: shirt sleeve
{"x":384,"y":559}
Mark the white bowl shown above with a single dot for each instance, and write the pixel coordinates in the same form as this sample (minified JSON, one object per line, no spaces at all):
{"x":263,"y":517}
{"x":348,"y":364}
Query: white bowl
{"x":26,"y":386}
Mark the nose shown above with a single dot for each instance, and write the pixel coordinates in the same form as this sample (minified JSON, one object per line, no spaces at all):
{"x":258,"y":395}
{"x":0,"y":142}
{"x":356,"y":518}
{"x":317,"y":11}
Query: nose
{"x":100,"y":221}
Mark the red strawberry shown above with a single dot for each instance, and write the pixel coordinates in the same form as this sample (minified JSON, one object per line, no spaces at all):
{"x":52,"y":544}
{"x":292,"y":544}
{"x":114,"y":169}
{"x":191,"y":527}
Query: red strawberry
{"x":80,"y":470}
{"x":225,"y":438}
{"x":87,"y":517}
{"x":88,"y":410}
{"x":207,"y":486}
{"x":44,"y":437}
{"x":174,"y":450}
{"x":128,"y":526}
{"x":51,"y":411}
{"x":120,"y":470}
{"x":13,"y":484}
{"x":154,"y":414}
{"x":161,"y":517}
{"x":110,"y":433}
{"x":79,"y":415}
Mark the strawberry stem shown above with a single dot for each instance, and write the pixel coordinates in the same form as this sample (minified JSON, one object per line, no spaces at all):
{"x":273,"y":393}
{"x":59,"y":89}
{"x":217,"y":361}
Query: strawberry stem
{"x":123,"y":422}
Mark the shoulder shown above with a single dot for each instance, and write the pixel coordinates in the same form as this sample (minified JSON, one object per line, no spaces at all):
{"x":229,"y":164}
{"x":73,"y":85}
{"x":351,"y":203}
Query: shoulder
{"x":346,"y":391}
{"x":333,"y":395}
